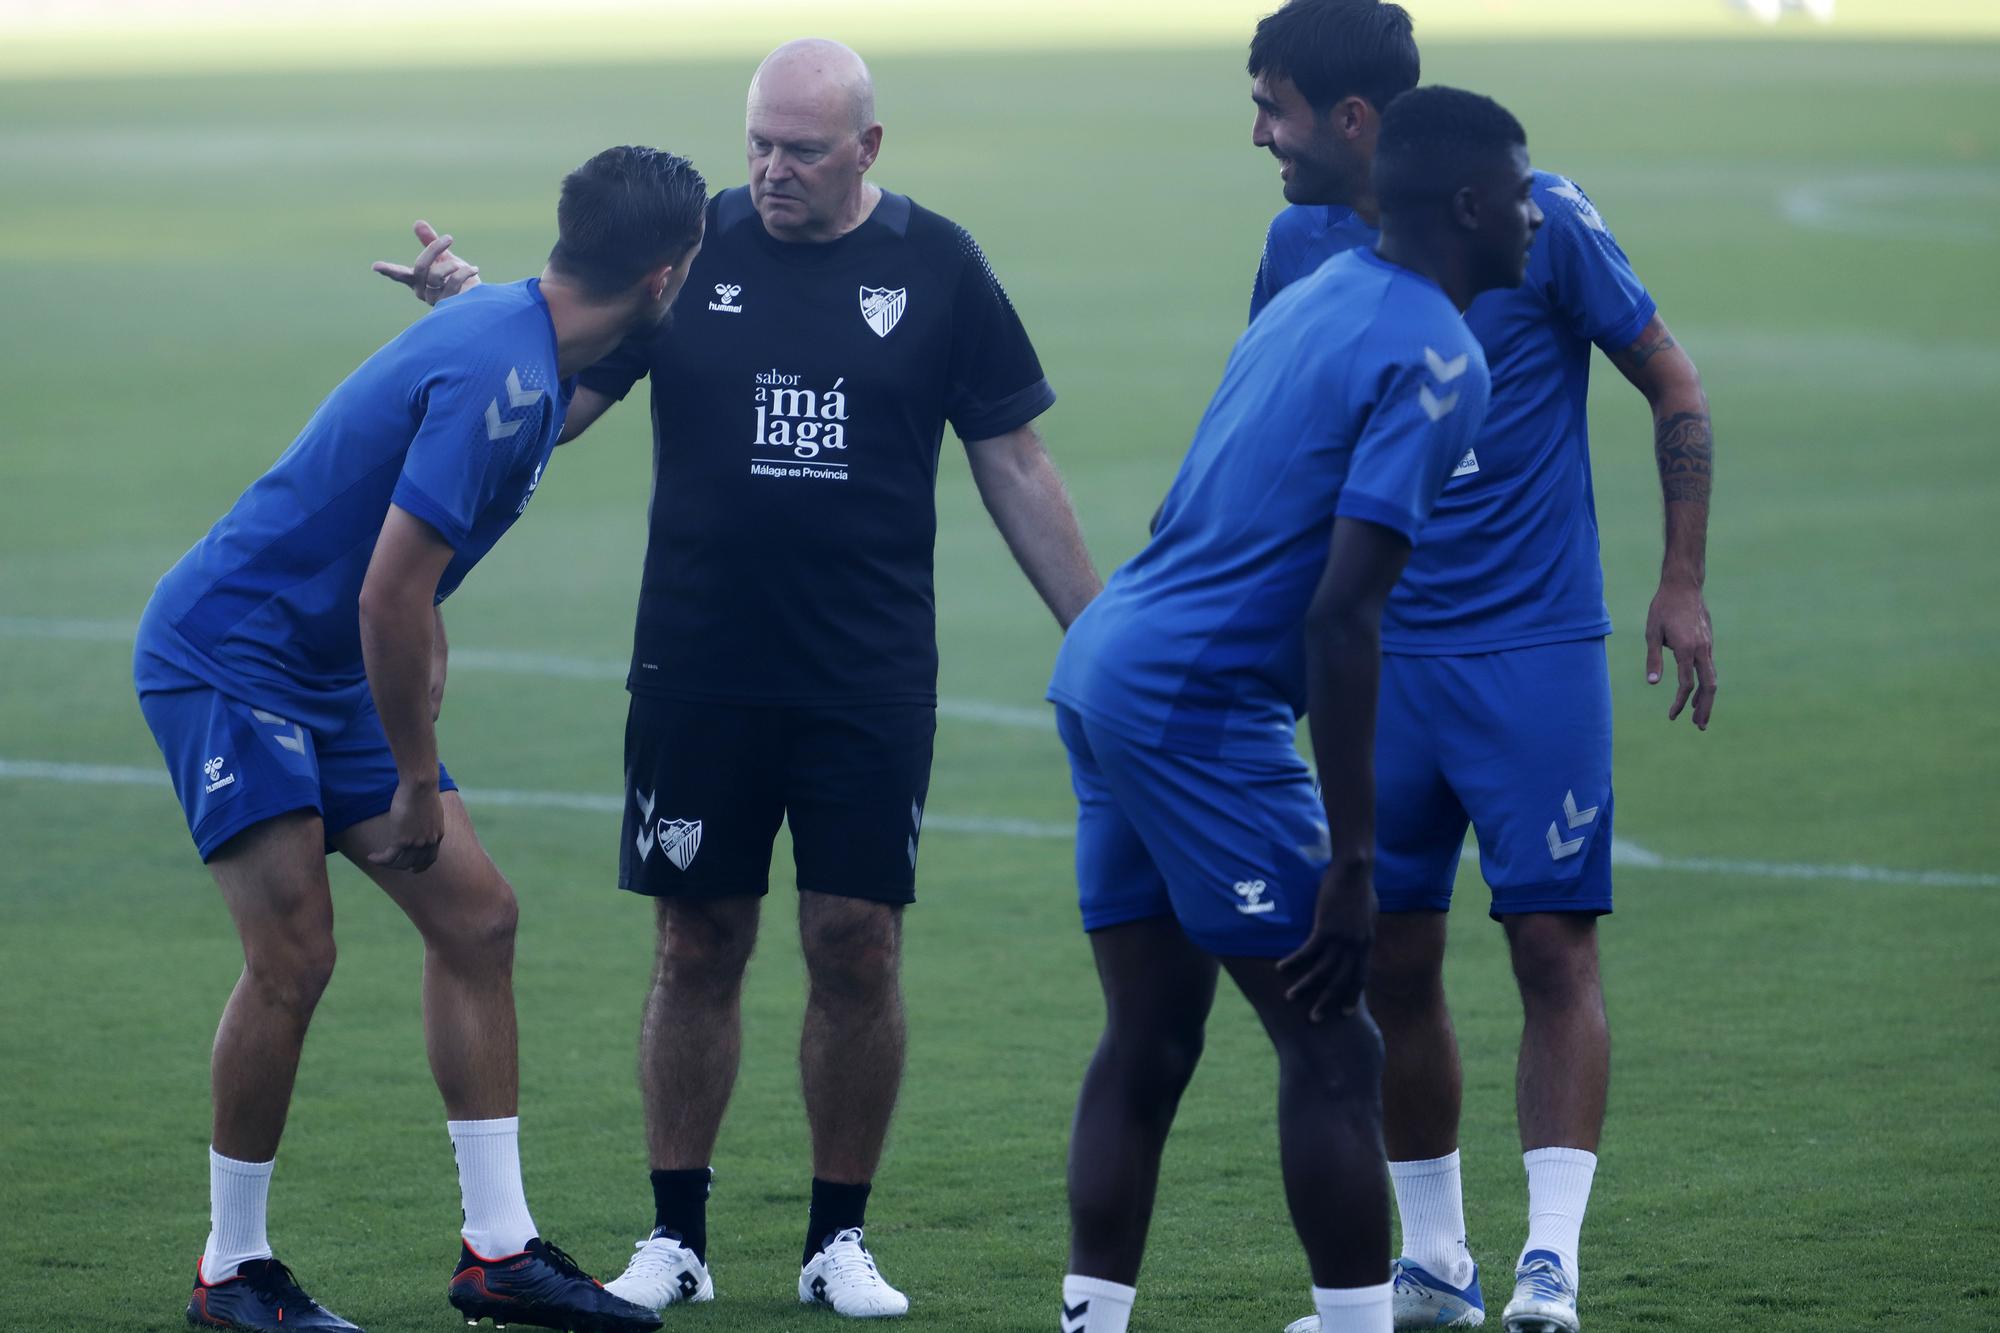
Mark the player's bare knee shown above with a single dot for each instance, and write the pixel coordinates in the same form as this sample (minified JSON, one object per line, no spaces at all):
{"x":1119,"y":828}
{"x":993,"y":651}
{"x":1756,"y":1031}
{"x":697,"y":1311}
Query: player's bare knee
{"x":1342,"y":1056}
{"x":1154,"y":1062}
{"x":1555,"y":959}
{"x":290,"y":971}
{"x":853,"y":950}
{"x":704,"y":946}
{"x":1406,"y":964}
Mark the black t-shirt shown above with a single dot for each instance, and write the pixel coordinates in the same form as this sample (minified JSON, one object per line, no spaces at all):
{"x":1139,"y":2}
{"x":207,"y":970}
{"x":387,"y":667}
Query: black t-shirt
{"x":800,"y":394}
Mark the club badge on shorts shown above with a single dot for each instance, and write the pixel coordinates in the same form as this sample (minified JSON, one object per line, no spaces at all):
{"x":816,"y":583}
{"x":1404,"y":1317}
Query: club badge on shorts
{"x":882,"y":308}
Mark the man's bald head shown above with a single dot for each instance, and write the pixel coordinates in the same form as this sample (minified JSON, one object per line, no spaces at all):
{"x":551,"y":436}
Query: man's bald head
{"x":817,"y":72}
{"x":812,"y":135}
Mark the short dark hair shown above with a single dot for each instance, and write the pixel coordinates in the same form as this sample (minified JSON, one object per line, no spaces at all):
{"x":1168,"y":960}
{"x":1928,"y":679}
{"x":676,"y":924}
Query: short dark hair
{"x":1435,"y":140}
{"x":626,"y":211}
{"x":1333,"y":49}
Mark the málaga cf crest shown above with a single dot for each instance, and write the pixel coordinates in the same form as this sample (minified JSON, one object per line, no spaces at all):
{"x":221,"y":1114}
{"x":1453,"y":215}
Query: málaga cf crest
{"x":882,"y":307}
{"x":680,"y":839}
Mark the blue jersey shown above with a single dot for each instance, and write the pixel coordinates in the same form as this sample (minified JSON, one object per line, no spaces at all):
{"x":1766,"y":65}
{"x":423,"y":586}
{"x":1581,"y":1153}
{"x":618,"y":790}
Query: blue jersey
{"x":1355,"y":394}
{"x":453,"y":421}
{"x":1510,"y":556}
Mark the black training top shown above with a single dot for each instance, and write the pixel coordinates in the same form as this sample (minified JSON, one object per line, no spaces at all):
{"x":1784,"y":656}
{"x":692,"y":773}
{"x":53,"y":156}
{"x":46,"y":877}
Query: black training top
{"x":800,"y":394}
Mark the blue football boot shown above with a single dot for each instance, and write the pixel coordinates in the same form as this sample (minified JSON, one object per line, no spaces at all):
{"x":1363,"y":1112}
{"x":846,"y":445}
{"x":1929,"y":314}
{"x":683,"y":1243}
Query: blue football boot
{"x":263,"y":1297}
{"x":541,"y":1287}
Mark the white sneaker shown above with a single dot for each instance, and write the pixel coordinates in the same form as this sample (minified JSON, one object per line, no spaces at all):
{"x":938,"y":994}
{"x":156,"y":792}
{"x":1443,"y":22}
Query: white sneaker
{"x":843,"y":1276}
{"x":663,"y":1272}
{"x":1310,"y":1324}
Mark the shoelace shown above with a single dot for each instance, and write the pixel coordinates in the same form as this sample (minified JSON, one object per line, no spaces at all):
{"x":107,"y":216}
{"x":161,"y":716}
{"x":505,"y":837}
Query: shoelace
{"x":562,"y":1263}
{"x":846,"y":1257}
{"x":655,"y":1256}
{"x":1546,"y":1278}
{"x":275,"y":1279}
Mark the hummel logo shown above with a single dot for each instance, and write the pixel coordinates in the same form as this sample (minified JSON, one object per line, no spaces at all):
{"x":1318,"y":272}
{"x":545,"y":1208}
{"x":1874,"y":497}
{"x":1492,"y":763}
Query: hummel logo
{"x":217,"y":779}
{"x":1436,"y":408}
{"x":1446,"y":371}
{"x":497,"y":428}
{"x":644,"y":842}
{"x":1585,"y":210}
{"x":296,"y":742}
{"x":1560,"y":848}
{"x":1075,"y":1316}
{"x":517,"y":397}
{"x":727,"y":292}
{"x":1252,"y":893}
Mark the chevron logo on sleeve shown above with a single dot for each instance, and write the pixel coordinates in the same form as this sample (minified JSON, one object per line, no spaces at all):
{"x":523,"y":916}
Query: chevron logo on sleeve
{"x":497,"y":427}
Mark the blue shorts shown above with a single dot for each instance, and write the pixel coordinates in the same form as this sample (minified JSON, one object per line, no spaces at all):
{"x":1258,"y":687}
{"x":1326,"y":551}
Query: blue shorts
{"x":234,"y":765}
{"x":1518,"y":745}
{"x":1232,"y":848}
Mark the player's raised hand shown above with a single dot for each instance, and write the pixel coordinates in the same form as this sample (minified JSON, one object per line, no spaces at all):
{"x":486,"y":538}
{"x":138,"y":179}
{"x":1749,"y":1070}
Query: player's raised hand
{"x":415,"y":830}
{"x":1678,"y":621}
{"x":1327,"y":971}
{"x":437,"y":272}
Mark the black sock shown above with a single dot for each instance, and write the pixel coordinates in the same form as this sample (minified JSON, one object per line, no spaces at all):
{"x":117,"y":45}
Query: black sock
{"x":680,"y":1207}
{"x":835,"y":1208}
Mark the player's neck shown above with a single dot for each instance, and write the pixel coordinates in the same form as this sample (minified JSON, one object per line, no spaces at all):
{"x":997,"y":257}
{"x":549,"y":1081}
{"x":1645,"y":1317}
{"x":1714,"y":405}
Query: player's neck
{"x":1423,"y":255}
{"x":587,"y":331}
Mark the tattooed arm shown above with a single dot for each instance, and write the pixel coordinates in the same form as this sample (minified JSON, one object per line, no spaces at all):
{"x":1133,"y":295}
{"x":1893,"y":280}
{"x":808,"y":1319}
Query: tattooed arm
{"x":1684,"y":449}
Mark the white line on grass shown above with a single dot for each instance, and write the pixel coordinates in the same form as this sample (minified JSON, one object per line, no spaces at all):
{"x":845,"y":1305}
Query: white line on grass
{"x":1623,"y":853}
{"x":126,"y":775}
{"x":503,"y":661}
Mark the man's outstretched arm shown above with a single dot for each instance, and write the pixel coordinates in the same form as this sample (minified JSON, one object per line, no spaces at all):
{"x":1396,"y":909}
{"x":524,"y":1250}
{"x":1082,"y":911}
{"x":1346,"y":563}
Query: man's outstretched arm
{"x":1025,"y":495}
{"x":1684,"y":450}
{"x":1343,"y":642}
{"x":437,"y":273}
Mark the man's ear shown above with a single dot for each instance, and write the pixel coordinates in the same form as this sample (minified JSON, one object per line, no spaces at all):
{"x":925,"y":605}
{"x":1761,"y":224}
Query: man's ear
{"x":657,"y":280}
{"x":1356,"y":118}
{"x":1467,"y":207}
{"x":871,"y":145}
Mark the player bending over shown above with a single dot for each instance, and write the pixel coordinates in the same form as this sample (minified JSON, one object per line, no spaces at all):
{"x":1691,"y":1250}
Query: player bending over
{"x":291,"y":667}
{"x":1200,"y":836}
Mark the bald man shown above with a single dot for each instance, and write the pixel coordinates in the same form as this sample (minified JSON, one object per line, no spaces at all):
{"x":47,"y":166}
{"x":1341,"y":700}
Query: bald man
{"x":785,"y":664}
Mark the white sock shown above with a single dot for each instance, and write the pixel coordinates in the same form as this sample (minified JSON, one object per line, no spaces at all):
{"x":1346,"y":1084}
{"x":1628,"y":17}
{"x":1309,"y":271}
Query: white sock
{"x":237,"y":1192}
{"x":1354,"y":1309}
{"x":1558,"y":1192}
{"x":489,"y":1186}
{"x":1092,"y":1305}
{"x":1432,"y":1206}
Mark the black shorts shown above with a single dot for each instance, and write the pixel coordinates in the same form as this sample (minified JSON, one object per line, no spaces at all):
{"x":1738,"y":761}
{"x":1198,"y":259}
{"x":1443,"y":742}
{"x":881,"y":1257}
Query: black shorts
{"x":707,"y":784}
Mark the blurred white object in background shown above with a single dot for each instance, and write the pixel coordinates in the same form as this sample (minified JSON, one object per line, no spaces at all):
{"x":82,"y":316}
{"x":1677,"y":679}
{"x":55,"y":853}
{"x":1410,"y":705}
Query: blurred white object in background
{"x":1770,"y":11}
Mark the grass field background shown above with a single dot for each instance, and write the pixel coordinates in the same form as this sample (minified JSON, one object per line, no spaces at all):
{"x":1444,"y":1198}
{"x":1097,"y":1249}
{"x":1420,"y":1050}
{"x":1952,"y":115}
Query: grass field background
{"x":1802,"y":1134}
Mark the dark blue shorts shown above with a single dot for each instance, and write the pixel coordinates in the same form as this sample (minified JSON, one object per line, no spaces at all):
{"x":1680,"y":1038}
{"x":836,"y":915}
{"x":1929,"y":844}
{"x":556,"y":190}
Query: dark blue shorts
{"x":234,"y":764}
{"x":1518,"y":745}
{"x":1233,"y":848}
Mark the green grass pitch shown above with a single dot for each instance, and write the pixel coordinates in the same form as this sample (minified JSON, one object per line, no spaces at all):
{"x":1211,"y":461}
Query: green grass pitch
{"x":1803,"y":1131}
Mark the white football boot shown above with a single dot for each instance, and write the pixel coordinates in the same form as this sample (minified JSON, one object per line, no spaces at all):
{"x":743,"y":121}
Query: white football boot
{"x":663,"y":1272}
{"x":844,"y":1278}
